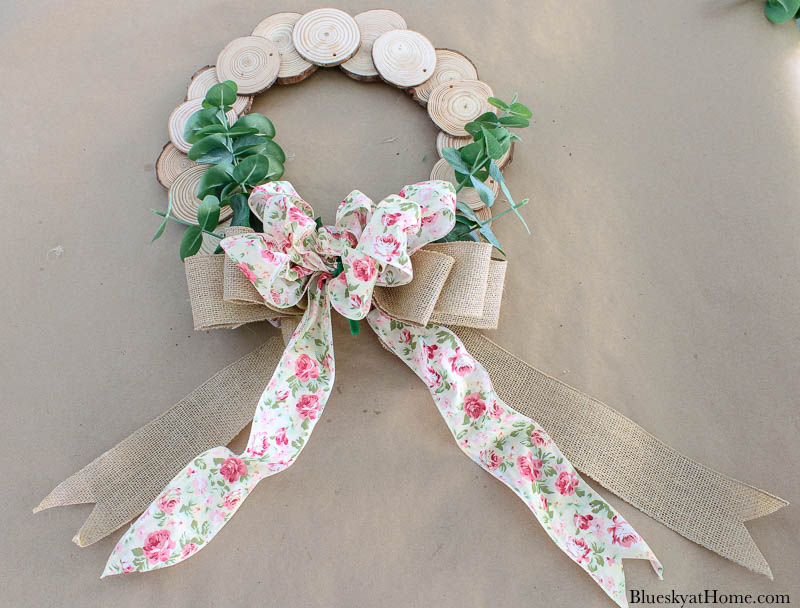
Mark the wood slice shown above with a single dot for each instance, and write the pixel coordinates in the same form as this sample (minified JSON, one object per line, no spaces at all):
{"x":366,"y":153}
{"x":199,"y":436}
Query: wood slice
{"x":252,"y":62}
{"x":484,"y":213}
{"x":178,"y":118}
{"x":170,"y":164}
{"x":371,"y":24}
{"x":205,"y":78}
{"x":404,"y":58}
{"x":443,"y":140}
{"x":326,"y":37}
{"x":443,"y":170}
{"x":183,"y":193}
{"x":278,"y":28}
{"x":453,"y":104}
{"x":450,"y":65}
{"x":210,"y":243}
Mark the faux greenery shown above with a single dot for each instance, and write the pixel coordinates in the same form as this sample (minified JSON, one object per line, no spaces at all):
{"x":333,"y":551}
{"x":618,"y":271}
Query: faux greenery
{"x":780,"y":11}
{"x":243,"y":155}
{"x":475,"y":163}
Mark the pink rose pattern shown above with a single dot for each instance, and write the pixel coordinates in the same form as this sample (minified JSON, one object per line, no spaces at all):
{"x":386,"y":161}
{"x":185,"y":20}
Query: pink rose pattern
{"x":517,"y":451}
{"x":202,"y":498}
{"x":290,"y":259}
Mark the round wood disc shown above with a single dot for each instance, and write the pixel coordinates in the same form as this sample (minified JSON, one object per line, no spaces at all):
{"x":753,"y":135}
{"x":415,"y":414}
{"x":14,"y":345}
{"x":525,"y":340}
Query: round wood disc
{"x":209,"y":244}
{"x":443,"y":170}
{"x":170,"y":164}
{"x":183,"y":193}
{"x":252,"y":62}
{"x":450,"y":65}
{"x":371,"y":24}
{"x":443,"y":140}
{"x":178,"y":118}
{"x":278,"y":28}
{"x":484,"y":213}
{"x":404,"y":58}
{"x":326,"y":36}
{"x":204,"y":79}
{"x":453,"y":104}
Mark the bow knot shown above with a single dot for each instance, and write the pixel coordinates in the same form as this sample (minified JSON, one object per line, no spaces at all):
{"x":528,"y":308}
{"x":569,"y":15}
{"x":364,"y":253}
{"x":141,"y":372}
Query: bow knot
{"x":373,"y":242}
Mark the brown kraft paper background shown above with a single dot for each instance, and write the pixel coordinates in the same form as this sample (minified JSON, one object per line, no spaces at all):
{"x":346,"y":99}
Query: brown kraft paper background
{"x":661,"y":278}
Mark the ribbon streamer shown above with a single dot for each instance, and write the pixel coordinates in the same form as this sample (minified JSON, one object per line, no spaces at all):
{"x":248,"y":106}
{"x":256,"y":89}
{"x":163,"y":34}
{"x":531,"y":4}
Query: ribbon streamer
{"x":123,"y":480}
{"x":699,"y":503}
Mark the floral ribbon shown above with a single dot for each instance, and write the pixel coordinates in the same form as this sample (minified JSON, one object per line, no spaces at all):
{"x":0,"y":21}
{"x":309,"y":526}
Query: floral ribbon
{"x":339,"y":266}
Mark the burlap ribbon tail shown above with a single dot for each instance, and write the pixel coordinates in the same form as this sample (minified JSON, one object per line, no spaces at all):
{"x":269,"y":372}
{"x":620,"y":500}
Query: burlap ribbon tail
{"x":458,"y":285}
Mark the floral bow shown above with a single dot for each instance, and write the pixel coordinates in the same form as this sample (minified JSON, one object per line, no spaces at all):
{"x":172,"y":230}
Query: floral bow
{"x":339,"y":266}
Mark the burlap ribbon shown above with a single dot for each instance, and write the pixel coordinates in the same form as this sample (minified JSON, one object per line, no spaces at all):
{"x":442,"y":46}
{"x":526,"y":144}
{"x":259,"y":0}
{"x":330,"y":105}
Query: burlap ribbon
{"x":457,"y":284}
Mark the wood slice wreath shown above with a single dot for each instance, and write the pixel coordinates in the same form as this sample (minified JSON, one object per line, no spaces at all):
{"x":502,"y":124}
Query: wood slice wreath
{"x":326,"y":37}
{"x":371,"y":24}
{"x":205,"y":78}
{"x":252,"y":62}
{"x":450,"y":65}
{"x":278,"y":28}
{"x":474,"y":144}
{"x":453,"y":104}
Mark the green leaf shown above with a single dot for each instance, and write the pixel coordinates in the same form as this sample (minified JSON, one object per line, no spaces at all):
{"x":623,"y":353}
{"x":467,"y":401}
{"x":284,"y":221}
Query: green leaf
{"x":211,"y":150}
{"x":275,"y":169}
{"x":216,"y":176}
{"x":239,"y":131}
{"x":453,"y":157}
{"x":519,"y":109}
{"x":160,"y":230}
{"x":191,"y":241}
{"x":496,"y":175}
{"x":486,"y":232}
{"x":257,"y":121}
{"x":493,"y":147}
{"x":208,"y":213}
{"x":780,"y":11}
{"x":487,"y":196}
{"x":251,"y":170}
{"x":467,"y":211}
{"x":221,"y":94}
{"x":241,"y":211}
{"x":163,"y":225}
{"x":200,"y":120}
{"x":515,"y":121}
{"x":469,"y":154}
{"x":209,"y":130}
{"x":258,"y":144}
{"x":488,"y":119}
{"x":498,"y":103}
{"x":473,"y":128}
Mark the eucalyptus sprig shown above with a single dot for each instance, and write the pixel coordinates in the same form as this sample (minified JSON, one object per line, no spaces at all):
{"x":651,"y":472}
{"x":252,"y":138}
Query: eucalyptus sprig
{"x":244,"y":155}
{"x":475,"y":163}
{"x":780,"y":11}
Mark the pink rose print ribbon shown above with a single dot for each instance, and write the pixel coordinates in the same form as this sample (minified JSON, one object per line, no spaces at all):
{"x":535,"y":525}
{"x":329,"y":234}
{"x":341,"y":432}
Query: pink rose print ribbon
{"x":338,"y":267}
